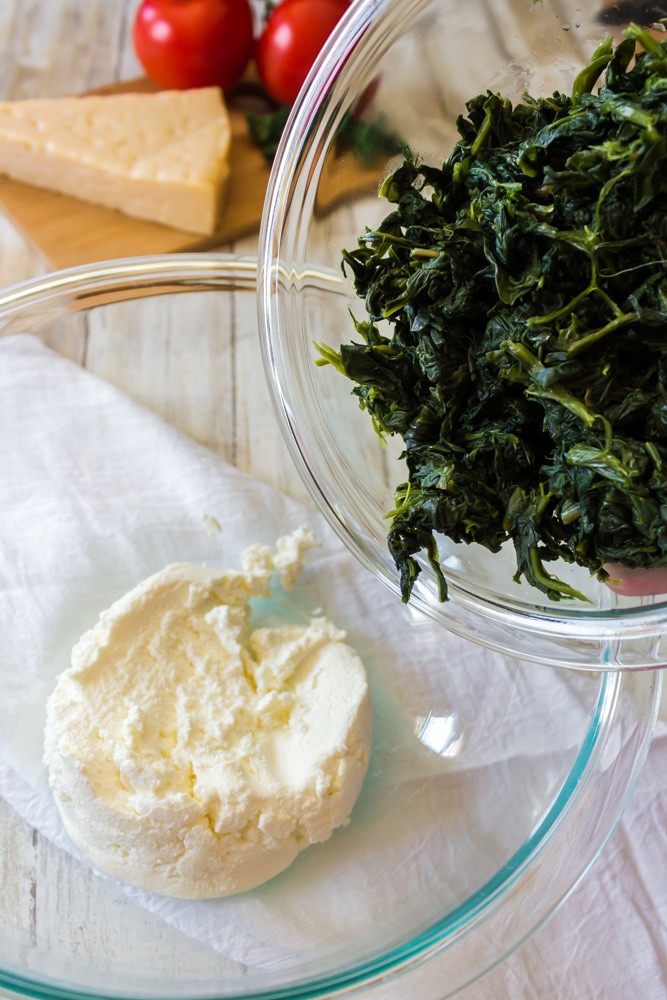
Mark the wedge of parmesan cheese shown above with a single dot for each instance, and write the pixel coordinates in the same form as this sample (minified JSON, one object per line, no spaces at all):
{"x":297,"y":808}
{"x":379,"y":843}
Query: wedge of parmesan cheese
{"x":162,"y":156}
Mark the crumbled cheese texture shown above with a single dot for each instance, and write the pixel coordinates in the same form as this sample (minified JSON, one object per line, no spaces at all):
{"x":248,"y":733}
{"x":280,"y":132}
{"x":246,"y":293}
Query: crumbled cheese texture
{"x":212,"y":525}
{"x":163,"y":156}
{"x":191,"y":757}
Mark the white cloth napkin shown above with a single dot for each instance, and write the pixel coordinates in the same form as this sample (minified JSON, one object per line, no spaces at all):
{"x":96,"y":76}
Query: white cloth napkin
{"x":96,"y":493}
{"x":609,"y":940}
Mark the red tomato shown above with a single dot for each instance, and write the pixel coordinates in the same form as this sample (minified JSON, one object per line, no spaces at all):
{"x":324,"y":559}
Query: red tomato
{"x":193,"y":43}
{"x":291,"y":41}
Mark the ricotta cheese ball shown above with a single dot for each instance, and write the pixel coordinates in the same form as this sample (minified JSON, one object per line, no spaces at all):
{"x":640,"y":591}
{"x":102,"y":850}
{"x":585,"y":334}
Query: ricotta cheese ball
{"x":191,"y":757}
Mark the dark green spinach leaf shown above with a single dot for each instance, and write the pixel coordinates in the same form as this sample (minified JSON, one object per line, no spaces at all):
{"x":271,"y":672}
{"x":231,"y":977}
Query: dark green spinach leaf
{"x":516,"y":330}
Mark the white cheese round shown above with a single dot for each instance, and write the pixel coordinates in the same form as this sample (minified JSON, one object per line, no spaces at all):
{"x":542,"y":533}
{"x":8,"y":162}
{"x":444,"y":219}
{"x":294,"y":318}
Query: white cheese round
{"x":191,"y":758}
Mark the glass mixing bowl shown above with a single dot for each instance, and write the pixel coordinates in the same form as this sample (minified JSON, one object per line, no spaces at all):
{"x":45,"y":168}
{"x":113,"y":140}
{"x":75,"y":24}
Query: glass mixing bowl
{"x":417,"y":63}
{"x":493,"y":782}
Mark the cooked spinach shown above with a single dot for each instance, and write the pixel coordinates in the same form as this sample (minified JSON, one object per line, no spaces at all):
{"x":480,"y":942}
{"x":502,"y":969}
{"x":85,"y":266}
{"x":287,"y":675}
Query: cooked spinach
{"x":516,"y":328}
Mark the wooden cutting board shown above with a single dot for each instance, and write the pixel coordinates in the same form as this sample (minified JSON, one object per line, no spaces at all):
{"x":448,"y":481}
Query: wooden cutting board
{"x":69,"y":232}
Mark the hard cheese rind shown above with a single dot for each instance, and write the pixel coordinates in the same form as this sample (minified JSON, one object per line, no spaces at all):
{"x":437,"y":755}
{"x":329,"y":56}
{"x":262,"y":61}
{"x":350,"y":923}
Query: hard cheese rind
{"x":163,"y":157}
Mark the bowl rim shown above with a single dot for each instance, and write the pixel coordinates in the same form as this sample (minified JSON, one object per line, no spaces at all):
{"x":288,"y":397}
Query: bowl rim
{"x":172,"y":272}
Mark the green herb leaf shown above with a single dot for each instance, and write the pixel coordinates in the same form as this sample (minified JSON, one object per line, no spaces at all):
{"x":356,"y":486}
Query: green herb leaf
{"x":371,"y":141}
{"x":266,"y":129}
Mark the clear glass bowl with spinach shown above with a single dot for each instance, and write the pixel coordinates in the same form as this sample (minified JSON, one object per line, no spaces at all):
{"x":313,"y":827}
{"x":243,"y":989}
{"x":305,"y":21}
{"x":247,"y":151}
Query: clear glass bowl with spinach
{"x":555,"y":272}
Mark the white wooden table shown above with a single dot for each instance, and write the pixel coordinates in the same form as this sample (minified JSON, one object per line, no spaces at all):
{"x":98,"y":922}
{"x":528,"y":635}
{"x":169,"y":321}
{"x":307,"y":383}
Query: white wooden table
{"x":53,"y":47}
